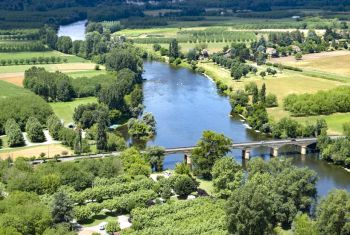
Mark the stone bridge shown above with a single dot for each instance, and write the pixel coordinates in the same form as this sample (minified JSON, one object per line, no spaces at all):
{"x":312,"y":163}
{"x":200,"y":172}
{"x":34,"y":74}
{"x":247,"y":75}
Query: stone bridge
{"x":247,"y":147}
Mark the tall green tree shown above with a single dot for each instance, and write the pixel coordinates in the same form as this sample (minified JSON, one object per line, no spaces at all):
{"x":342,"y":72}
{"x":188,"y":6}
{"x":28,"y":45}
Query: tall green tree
{"x":14,"y":134}
{"x":250,"y":209}
{"x":155,"y":156}
{"x":35,"y":130}
{"x":174,"y":49}
{"x":333,"y":213}
{"x":62,"y":208}
{"x":227,"y":176}
{"x":303,"y":225}
{"x":263,"y":94}
{"x":211,"y":147}
{"x":101,"y":139}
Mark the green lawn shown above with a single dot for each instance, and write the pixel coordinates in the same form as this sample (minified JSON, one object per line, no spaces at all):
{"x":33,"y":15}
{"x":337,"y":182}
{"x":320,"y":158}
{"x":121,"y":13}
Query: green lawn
{"x":206,"y":185}
{"x":99,"y":218}
{"x":10,"y":90}
{"x":65,"y":110}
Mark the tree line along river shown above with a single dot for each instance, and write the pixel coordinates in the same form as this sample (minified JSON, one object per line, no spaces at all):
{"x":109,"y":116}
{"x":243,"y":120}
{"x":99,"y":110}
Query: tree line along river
{"x":185,"y":104}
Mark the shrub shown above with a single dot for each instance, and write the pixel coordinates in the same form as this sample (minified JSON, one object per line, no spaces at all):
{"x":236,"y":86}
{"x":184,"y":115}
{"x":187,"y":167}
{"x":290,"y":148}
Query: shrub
{"x":184,"y":185}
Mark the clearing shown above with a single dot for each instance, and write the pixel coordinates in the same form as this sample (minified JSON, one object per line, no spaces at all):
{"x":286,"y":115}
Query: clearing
{"x":65,"y":110}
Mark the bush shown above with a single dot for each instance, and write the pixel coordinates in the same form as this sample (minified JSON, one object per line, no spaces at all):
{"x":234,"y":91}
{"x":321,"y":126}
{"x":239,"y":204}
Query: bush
{"x":271,"y":100}
{"x":112,"y":227}
{"x":184,"y":185}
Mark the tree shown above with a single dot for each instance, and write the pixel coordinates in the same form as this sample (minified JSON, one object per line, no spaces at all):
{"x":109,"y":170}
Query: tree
{"x":155,"y":156}
{"x":115,"y":142}
{"x":35,"y":130}
{"x":303,"y":225}
{"x":227,"y":176}
{"x":156,"y":47}
{"x":62,"y":208}
{"x":112,"y":227}
{"x":64,"y":44}
{"x":182,"y":168}
{"x":255,"y":94}
{"x":211,"y":147}
{"x":101,"y":140}
{"x":333,"y":213}
{"x":263,"y":74}
{"x":184,"y":185}
{"x":14,"y":134}
{"x":174,"y":49}
{"x":250,"y":209}
{"x":263,"y":94}
{"x":119,"y":59}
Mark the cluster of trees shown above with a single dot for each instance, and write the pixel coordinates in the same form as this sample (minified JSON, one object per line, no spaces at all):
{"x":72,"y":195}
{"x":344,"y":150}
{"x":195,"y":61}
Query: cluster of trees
{"x":142,"y":129}
{"x":255,"y":111}
{"x":323,"y":102}
{"x":55,"y":86}
{"x":34,"y":60}
{"x":21,"y":108}
{"x":69,"y":137}
{"x":338,"y":150}
{"x":289,"y":128}
{"x":27,"y":46}
{"x":272,"y":195}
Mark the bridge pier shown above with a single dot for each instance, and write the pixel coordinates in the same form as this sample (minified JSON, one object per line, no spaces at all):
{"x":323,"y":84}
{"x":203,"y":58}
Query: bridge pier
{"x":246,"y":154}
{"x":303,"y":150}
{"x":274,"y":152}
{"x":188,"y":160}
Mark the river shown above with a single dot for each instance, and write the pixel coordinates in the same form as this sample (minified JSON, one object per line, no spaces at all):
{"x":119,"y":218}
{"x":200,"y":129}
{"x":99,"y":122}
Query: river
{"x":185,"y":104}
{"x":75,"y":30}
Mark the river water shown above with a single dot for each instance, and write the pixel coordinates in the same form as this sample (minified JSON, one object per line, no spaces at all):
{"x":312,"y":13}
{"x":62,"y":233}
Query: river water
{"x":75,"y":30}
{"x":185,"y":104}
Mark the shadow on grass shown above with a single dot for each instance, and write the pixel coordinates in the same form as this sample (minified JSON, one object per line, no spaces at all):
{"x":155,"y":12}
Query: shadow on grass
{"x":98,"y":217}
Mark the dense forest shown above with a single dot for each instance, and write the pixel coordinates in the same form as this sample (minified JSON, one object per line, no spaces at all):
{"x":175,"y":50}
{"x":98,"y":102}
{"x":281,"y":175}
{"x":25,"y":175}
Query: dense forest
{"x":32,"y":14}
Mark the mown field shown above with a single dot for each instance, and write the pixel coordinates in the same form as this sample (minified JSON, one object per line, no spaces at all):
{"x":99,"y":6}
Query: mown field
{"x":11,"y":90}
{"x":65,"y":110}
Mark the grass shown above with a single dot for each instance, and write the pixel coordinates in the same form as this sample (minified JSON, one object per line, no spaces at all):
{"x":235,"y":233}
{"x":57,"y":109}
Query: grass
{"x":99,"y":218}
{"x":206,"y":185}
{"x":65,"y":110}
{"x":10,"y":90}
{"x":88,"y":73}
{"x":26,"y":55}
